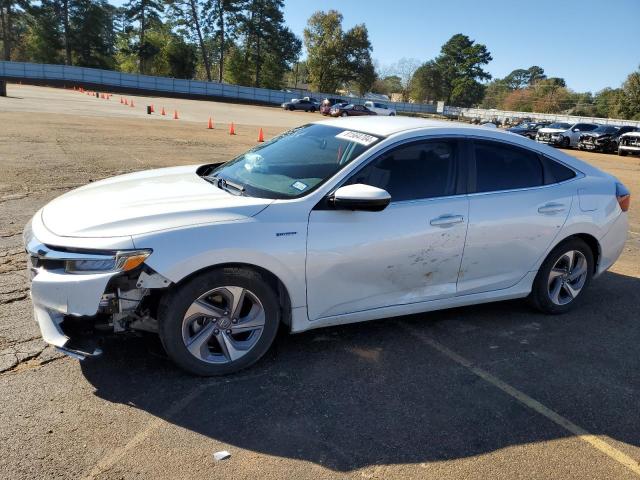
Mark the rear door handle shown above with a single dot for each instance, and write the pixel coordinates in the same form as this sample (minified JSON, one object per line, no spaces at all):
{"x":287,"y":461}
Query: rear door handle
{"x":446,"y":220}
{"x":551,"y":208}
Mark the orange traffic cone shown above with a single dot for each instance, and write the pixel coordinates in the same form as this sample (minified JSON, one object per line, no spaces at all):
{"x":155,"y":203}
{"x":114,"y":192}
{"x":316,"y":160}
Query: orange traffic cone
{"x":132,"y":105}
{"x":126,"y":102}
{"x":152,"y":109}
{"x":162,"y":112}
{"x":260,"y":135}
{"x":121,"y":100}
{"x":175,"y":114}
{"x":232,"y":129}
{"x":210,"y":124}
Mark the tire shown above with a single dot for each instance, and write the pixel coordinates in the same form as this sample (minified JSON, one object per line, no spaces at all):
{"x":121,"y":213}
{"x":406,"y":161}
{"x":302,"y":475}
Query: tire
{"x":566,"y":143}
{"x":622,"y":153}
{"x":392,"y":114}
{"x":344,"y":114}
{"x":313,"y":109}
{"x":230,"y":344}
{"x":546,"y":282}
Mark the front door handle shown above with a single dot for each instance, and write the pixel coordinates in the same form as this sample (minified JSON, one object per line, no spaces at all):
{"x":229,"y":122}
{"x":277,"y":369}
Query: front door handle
{"x":551,"y":208}
{"x":446,"y":220}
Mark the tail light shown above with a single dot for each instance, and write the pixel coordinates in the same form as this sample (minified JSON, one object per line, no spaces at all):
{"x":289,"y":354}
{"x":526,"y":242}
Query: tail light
{"x":623,"y":195}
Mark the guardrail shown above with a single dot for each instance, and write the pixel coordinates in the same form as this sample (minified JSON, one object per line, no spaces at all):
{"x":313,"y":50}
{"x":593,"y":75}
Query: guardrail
{"x":107,"y":79}
{"x":487,"y":115}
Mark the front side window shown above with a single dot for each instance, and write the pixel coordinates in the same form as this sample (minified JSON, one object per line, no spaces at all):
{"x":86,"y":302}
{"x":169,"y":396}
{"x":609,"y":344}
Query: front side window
{"x":294,"y":163}
{"x":412,"y":172}
{"x":505,"y":167}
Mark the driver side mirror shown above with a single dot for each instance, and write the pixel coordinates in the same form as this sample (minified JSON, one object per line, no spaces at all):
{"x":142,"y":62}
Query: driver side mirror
{"x":360,"y":197}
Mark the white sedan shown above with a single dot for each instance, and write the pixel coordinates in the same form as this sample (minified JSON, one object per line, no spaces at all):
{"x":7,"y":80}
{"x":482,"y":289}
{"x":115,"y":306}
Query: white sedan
{"x":333,"y":222}
{"x":380,"y":108}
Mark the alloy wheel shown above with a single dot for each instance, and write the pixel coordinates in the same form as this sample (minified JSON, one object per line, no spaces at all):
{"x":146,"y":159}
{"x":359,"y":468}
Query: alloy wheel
{"x":223,"y":324}
{"x":567,"y":277}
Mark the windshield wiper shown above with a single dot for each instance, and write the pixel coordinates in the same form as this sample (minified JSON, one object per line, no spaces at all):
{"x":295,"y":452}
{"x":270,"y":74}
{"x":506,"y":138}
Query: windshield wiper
{"x":228,"y":186}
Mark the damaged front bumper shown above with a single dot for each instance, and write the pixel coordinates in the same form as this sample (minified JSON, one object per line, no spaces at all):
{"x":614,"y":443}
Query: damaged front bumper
{"x":71,"y":309}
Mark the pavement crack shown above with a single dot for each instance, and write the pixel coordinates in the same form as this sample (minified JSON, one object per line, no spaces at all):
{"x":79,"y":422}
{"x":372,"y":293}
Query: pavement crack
{"x":17,"y":298}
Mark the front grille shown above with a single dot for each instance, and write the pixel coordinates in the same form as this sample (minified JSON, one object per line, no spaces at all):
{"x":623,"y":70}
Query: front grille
{"x":631,"y":141}
{"x":544,"y":136}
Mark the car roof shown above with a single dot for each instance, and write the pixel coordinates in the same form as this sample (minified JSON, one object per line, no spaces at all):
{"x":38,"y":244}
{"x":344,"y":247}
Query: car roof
{"x":391,"y":126}
{"x":385,"y":126}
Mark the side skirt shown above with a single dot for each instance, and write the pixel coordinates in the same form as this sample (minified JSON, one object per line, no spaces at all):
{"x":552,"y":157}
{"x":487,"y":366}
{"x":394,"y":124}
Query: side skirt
{"x":300,"y":322}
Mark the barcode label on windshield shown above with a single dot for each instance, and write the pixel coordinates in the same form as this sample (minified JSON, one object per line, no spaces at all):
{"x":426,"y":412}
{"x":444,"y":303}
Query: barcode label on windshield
{"x":358,"y":137}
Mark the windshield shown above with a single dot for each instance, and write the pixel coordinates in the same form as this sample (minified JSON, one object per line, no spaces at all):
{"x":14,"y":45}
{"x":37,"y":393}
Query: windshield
{"x":294,"y":163}
{"x":605,"y":129}
{"x":564,"y":126}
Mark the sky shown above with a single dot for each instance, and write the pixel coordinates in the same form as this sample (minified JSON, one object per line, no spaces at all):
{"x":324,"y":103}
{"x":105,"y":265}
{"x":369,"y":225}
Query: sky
{"x":592,"y":44}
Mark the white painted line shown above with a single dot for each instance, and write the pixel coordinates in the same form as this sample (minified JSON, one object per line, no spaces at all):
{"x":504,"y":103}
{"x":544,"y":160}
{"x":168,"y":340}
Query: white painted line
{"x":111,"y":459}
{"x":526,"y":400}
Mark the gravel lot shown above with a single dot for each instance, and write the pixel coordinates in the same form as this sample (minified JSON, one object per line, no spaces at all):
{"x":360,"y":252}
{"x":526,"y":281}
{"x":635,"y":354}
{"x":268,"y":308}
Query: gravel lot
{"x":493,"y":391}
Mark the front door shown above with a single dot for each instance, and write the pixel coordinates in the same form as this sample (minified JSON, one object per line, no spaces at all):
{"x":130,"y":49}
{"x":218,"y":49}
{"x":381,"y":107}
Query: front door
{"x":410,"y":252}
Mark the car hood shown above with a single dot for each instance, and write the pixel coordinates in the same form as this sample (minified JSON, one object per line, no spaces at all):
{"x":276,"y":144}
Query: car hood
{"x":143,"y":202}
{"x":551,"y":130}
{"x":631,"y":134}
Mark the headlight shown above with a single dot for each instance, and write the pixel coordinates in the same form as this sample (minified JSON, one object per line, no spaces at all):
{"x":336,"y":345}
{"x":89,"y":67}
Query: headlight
{"x":118,"y":262}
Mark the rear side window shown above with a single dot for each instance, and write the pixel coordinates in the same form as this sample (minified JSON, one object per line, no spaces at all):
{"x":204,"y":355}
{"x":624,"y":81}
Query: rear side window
{"x":505,"y":167}
{"x":412,"y":172}
{"x":556,"y":172}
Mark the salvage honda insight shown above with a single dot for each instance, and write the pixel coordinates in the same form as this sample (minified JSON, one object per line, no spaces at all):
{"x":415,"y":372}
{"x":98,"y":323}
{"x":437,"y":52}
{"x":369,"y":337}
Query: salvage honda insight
{"x":333,"y":222}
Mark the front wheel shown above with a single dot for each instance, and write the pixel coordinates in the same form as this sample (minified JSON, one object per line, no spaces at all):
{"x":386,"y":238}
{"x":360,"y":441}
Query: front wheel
{"x":566,"y":143}
{"x":622,"y":153}
{"x":562,"y":277}
{"x":344,"y":114}
{"x":219,"y":322}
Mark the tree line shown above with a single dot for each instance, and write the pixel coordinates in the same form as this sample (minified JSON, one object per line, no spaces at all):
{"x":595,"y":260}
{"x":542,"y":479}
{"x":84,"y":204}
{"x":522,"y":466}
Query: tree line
{"x":247,"y":42}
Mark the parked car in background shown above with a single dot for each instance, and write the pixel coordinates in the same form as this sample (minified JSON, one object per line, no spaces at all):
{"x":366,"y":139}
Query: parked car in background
{"x":323,"y":226}
{"x":350,"y":110}
{"x":315,"y":101}
{"x":528,"y":129}
{"x":380,"y":108}
{"x":563,"y":134}
{"x":327,"y":103}
{"x":629,"y":143}
{"x":603,"y":139}
{"x":300,"y":104}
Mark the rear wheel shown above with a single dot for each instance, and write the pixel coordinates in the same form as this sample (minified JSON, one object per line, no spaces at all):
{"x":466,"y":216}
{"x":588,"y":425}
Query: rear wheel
{"x":219,"y":322}
{"x":622,"y":153}
{"x":562,"y":277}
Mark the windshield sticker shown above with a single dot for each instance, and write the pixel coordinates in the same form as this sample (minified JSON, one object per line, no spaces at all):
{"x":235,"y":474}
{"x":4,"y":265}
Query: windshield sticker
{"x":358,"y":137}
{"x":299,"y":186}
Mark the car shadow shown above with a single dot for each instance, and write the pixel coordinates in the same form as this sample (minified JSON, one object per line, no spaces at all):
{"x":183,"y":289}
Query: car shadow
{"x":375,"y":393}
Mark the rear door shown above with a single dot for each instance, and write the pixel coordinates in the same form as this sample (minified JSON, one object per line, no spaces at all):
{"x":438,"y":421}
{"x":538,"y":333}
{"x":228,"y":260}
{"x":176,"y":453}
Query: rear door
{"x":516,"y":209}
